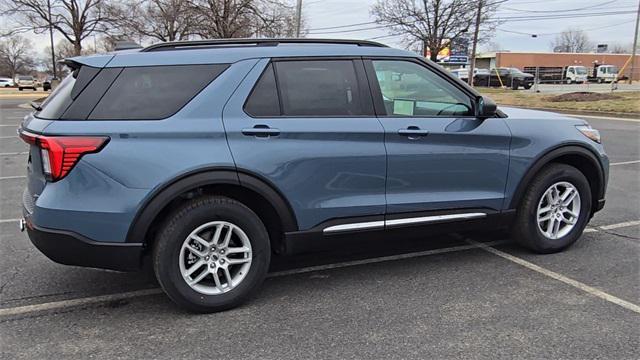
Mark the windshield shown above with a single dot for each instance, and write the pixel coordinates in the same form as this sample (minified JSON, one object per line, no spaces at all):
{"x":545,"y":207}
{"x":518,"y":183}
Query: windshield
{"x":25,"y":78}
{"x":610,"y":70}
{"x":581,"y":70}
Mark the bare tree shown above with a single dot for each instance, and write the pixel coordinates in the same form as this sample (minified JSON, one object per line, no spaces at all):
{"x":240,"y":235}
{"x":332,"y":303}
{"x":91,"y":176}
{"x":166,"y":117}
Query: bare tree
{"x":434,"y":23}
{"x":618,"y":48}
{"x":572,"y":40}
{"x":15,"y":55}
{"x":75,"y":20}
{"x":244,"y":18}
{"x":164,"y":20}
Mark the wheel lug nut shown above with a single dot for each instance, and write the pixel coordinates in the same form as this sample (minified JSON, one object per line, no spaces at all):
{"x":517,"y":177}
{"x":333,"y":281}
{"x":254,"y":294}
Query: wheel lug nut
{"x":221,"y":261}
{"x":206,"y":258}
{"x":221,"y":251}
{"x":212,"y":265}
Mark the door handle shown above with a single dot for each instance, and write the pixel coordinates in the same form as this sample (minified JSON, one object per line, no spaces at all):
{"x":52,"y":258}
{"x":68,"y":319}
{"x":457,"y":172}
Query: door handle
{"x":261,"y":131}
{"x":413,"y":132}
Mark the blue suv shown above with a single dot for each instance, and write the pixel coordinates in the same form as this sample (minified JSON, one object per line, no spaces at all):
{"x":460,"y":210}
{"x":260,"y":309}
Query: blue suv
{"x":208,"y":157}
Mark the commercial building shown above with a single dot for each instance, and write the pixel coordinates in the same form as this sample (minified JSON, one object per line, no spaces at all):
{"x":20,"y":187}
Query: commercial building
{"x":521,"y":60}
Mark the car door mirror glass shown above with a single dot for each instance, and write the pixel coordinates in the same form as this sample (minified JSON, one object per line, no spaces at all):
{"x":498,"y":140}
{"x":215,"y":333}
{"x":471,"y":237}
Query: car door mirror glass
{"x":486,"y":107}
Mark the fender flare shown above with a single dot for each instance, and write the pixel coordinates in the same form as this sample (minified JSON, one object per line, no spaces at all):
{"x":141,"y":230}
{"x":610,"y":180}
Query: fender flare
{"x":163,"y":195}
{"x":551,"y":155}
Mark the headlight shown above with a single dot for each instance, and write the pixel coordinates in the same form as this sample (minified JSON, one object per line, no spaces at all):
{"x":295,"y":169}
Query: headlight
{"x":589,"y":132}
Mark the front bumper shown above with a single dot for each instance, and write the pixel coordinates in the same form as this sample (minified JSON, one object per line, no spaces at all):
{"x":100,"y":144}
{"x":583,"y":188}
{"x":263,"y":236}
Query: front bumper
{"x":72,"y":249}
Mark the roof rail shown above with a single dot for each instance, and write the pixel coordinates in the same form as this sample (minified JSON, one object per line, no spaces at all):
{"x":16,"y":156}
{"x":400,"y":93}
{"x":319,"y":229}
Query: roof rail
{"x":179,"y":45}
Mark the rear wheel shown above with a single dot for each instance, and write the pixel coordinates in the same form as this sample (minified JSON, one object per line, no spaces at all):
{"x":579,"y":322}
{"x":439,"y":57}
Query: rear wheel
{"x":20,"y":89}
{"x":212,"y":254}
{"x":555,"y":209}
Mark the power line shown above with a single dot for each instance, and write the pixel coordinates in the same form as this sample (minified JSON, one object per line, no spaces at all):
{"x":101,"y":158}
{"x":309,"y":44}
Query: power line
{"x":563,"y":10}
{"x":343,"y":26}
{"x":556,"y":33}
{"x":505,"y":19}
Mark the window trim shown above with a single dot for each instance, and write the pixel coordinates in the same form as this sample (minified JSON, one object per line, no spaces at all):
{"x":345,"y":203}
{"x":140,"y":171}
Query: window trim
{"x":361,"y":78}
{"x":376,"y":92}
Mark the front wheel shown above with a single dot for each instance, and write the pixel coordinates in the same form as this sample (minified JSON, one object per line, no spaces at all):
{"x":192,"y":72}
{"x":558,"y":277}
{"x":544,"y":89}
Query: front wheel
{"x":554,"y":211}
{"x":212,"y":254}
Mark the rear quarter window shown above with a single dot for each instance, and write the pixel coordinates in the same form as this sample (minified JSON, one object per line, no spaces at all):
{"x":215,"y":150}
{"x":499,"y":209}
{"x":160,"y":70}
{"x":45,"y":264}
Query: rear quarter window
{"x":153,"y":92}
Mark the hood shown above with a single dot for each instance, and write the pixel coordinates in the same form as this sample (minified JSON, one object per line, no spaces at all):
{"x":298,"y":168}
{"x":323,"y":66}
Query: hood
{"x":528,"y":114}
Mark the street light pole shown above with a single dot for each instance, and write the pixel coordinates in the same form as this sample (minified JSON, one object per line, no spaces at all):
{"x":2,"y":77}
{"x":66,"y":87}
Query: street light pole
{"x":298,"y":17}
{"x":53,"y":51}
{"x":635,"y":45}
{"x":475,"y":44}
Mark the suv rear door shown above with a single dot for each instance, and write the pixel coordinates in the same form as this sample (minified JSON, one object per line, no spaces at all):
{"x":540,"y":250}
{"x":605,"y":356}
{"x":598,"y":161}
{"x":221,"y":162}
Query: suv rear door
{"x":440,"y":156}
{"x":308,"y":128}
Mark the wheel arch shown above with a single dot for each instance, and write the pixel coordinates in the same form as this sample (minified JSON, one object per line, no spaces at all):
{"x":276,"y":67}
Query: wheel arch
{"x":250,"y":189}
{"x":575,"y":155}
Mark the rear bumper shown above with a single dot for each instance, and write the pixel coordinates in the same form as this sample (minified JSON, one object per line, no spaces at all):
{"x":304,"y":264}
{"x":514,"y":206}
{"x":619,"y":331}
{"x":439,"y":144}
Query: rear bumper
{"x":72,"y":249}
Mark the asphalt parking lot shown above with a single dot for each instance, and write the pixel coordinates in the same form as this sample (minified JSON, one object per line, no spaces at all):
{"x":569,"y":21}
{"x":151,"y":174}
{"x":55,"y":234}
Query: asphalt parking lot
{"x":464,"y":296}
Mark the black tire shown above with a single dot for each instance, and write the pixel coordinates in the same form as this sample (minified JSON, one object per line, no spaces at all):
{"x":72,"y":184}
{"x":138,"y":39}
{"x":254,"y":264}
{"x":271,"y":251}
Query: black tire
{"x":515,"y":84}
{"x":528,"y":86}
{"x":20,"y":89}
{"x":180,"y":224}
{"x":526,"y":231}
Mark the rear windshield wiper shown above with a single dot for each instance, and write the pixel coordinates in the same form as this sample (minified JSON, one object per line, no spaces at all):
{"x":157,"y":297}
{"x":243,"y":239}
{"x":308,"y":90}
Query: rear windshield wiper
{"x":36,"y":105}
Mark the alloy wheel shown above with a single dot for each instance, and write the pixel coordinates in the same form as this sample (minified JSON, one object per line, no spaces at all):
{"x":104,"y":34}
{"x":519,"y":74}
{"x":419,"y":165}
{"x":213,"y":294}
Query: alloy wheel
{"x":558,"y":210}
{"x":215,"y":257}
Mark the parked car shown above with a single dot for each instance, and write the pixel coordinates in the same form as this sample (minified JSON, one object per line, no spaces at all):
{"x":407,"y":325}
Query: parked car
{"x":463,"y":73}
{"x":46,"y":84}
{"x":6,"y":82}
{"x":26,"y":82}
{"x":207,"y":160}
{"x":510,"y":77}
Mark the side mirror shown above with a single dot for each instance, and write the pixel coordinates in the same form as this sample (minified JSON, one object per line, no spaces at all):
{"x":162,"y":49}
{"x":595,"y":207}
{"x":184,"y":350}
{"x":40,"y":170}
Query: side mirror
{"x":485,"y":107}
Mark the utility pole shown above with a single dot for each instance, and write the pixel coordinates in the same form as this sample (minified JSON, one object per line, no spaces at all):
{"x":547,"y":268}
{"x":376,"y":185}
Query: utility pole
{"x":53,"y":51}
{"x":475,"y":43}
{"x":635,"y":45}
{"x":298,"y":17}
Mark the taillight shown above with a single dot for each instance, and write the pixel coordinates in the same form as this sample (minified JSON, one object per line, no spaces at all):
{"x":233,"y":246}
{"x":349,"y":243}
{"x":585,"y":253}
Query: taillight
{"x":61,"y":153}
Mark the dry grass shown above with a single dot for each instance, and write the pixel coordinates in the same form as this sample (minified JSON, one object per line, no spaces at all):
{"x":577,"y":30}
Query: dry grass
{"x":627,"y":102}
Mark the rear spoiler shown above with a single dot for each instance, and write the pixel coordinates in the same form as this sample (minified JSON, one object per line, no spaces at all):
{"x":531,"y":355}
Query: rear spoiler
{"x":98,"y":61}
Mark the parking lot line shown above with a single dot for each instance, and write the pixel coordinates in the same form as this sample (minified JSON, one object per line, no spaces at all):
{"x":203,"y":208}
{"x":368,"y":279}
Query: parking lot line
{"x":12,"y":177}
{"x":8,"y":137}
{"x":625,"y":162}
{"x":94,"y":300}
{"x":14,"y":153}
{"x":620,"y":225}
{"x":603,"y":117}
{"x":554,"y":275}
{"x":15,"y":126}
{"x":4,"y":221}
{"x":57,"y":305}
{"x":381,"y":259}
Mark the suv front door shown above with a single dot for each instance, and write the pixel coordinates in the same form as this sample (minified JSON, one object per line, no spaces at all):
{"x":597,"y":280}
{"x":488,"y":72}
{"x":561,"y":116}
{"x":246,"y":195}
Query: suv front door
{"x":308,"y":128}
{"x":440,"y":156}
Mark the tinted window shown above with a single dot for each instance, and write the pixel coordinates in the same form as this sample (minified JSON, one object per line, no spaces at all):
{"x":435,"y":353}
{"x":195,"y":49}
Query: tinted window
{"x":263,"y":100}
{"x":58,"y":101}
{"x":410,"y":89}
{"x":154,"y":92}
{"x":318,"y":88}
